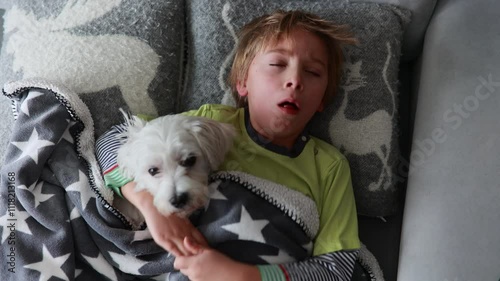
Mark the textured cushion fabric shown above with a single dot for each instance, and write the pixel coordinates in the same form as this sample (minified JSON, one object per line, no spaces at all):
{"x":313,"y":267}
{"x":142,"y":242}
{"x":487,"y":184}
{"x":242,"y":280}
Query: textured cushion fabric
{"x":421,"y":13}
{"x":362,"y":121}
{"x":451,"y":222}
{"x":114,"y":53}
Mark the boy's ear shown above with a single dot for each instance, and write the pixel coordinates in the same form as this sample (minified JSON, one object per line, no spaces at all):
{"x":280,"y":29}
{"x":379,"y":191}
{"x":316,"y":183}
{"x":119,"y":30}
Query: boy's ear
{"x":241,"y":87}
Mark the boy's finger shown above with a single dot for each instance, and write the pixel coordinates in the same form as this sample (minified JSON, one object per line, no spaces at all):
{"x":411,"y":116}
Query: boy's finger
{"x":199,"y":238}
{"x":192,"y":246}
{"x":179,"y":263}
{"x":175,"y":251}
{"x":184,"y":251}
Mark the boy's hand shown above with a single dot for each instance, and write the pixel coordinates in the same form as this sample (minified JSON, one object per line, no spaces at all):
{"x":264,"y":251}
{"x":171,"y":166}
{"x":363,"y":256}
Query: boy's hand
{"x":170,"y":231}
{"x":167,"y":231}
{"x":208,"y":264}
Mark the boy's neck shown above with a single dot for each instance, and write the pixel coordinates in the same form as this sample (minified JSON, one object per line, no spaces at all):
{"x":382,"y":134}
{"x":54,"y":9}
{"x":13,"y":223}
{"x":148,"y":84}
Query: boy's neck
{"x":291,"y":148}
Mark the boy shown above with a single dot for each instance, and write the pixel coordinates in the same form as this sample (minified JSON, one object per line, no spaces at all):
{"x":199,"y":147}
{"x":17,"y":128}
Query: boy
{"x":286,"y":68}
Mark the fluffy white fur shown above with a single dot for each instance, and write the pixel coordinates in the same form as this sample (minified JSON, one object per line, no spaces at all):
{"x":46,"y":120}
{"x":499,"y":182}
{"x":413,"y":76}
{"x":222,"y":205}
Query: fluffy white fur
{"x":172,"y":156}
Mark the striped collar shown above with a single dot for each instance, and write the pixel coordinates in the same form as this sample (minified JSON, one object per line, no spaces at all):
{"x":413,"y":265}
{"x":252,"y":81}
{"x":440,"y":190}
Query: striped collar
{"x":296,"y":150}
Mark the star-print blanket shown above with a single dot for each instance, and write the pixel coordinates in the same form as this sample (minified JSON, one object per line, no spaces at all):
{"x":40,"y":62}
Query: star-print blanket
{"x":57,"y":221}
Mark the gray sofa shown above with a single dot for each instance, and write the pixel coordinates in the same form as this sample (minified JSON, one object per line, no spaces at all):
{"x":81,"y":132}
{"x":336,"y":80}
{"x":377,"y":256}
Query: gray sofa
{"x":440,"y":217}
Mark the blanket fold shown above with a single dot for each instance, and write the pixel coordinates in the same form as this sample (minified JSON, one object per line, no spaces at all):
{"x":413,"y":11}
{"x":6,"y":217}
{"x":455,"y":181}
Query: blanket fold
{"x":58,"y":220}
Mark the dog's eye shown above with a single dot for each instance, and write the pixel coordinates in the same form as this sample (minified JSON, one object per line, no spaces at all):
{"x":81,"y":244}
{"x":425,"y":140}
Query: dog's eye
{"x":188,"y":162}
{"x":153,"y":171}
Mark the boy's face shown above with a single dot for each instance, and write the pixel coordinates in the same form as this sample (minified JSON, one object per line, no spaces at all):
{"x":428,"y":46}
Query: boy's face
{"x":285,"y":86}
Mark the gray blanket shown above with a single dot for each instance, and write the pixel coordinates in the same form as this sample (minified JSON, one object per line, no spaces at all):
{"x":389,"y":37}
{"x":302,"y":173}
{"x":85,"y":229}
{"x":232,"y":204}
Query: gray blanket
{"x":57,"y":220}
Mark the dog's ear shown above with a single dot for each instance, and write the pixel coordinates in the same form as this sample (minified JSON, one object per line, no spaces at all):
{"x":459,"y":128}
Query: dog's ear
{"x":134,"y":125}
{"x":215,"y":139}
{"x":128,"y":153}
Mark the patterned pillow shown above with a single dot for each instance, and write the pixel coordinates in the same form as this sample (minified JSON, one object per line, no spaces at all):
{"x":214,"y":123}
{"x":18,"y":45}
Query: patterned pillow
{"x":114,"y":53}
{"x":361,"y":122}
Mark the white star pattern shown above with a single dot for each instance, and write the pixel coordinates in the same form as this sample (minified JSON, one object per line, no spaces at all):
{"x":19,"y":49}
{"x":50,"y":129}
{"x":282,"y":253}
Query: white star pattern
{"x":30,"y":148}
{"x":36,"y":189}
{"x":74,"y":214}
{"x":78,"y":272}
{"x":5,"y":224}
{"x":67,"y":135}
{"x":141,"y":235}
{"x":247,"y":228}
{"x":127,"y":263}
{"x":20,"y":220}
{"x":23,"y":187}
{"x":24,"y":105}
{"x":81,"y":186}
{"x":101,"y":265}
{"x":309,"y":247}
{"x":282,"y":257}
{"x":217,"y":195}
{"x":49,"y":266}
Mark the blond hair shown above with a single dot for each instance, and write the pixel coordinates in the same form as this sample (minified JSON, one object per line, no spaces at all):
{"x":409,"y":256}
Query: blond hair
{"x":266,"y":30}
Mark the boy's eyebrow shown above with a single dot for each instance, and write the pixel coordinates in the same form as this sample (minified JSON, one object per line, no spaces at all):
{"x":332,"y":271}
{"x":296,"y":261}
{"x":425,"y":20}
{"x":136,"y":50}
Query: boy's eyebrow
{"x":288,"y":52}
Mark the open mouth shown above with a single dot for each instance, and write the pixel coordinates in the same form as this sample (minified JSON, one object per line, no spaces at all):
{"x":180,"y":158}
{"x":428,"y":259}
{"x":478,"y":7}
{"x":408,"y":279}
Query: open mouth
{"x":289,"y":107}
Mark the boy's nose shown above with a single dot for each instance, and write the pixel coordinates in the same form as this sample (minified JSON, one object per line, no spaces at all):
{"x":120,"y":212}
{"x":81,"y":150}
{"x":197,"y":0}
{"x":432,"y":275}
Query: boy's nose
{"x":294,"y":81}
{"x":296,"y":85}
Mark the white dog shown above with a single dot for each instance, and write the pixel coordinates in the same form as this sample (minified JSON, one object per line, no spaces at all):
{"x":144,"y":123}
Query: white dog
{"x":172,"y":156}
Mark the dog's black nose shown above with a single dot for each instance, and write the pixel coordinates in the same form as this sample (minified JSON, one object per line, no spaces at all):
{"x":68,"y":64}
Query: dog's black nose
{"x":179,"y":200}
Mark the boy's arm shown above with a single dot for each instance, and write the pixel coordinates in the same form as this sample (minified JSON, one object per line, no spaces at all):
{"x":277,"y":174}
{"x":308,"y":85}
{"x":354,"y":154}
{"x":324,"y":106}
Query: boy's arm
{"x":208,"y":264}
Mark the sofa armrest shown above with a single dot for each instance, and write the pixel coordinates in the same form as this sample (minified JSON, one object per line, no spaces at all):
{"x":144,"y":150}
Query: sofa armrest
{"x":452,"y":215}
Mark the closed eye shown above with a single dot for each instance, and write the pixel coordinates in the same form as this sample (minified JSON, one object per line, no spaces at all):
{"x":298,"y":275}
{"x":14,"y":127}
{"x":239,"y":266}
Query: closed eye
{"x":315,"y":73}
{"x":277,"y":64}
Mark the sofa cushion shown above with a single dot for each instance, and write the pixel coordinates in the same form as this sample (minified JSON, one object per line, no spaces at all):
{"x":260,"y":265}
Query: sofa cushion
{"x":115,"y":53}
{"x":413,"y":38}
{"x":362,"y":121}
{"x":451,"y":222}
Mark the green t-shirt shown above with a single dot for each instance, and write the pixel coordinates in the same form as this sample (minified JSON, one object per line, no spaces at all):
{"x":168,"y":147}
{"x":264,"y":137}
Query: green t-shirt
{"x":319,"y":171}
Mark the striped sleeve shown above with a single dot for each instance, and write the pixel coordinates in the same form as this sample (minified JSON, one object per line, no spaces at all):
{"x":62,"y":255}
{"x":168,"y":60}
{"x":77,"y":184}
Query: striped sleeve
{"x":333,"y":266}
{"x":107,"y":147}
